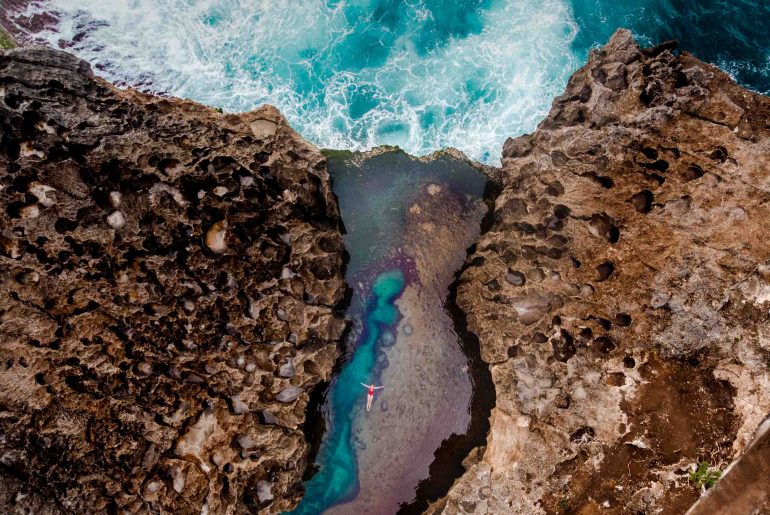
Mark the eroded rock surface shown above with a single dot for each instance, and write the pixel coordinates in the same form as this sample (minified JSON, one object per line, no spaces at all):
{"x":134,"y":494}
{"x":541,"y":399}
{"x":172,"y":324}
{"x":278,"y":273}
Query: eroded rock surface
{"x":168,"y":279}
{"x":627,"y":327}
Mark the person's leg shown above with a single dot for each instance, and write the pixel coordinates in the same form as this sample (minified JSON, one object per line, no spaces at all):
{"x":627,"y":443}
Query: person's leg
{"x":369,"y":399}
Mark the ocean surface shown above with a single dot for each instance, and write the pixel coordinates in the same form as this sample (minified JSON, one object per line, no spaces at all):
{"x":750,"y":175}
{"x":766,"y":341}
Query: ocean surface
{"x":421,"y":74}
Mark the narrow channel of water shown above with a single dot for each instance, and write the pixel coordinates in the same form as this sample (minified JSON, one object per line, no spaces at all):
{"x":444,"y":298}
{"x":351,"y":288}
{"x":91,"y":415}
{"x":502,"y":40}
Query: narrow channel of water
{"x":336,"y":480}
{"x":408,"y":224}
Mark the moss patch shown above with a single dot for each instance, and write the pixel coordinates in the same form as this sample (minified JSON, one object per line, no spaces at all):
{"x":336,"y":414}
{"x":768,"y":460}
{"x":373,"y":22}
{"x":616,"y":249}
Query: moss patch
{"x":6,"y":41}
{"x":333,"y":153}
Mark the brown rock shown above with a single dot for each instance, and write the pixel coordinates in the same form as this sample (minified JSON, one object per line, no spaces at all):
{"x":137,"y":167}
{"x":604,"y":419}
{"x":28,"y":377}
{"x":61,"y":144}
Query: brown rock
{"x":143,"y":243}
{"x":662,"y":237}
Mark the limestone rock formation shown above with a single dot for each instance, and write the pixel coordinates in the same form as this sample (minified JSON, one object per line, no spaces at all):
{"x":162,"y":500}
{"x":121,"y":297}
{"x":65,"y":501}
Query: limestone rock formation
{"x":621,"y":295}
{"x":168,"y":283}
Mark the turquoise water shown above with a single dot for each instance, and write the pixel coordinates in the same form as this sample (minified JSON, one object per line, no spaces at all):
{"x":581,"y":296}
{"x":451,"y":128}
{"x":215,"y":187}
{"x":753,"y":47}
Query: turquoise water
{"x":375,"y":196}
{"x":422,"y":74}
{"x":337,"y":478}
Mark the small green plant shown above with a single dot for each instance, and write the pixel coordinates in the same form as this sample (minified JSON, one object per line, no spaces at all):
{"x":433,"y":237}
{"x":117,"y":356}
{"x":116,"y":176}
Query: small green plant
{"x":219,"y":110}
{"x":5,"y":41}
{"x":564,"y":504}
{"x":705,"y":476}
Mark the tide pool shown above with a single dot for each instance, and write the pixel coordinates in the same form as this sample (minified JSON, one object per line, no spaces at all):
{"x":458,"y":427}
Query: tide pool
{"x":408,"y":223}
{"x":337,"y":478}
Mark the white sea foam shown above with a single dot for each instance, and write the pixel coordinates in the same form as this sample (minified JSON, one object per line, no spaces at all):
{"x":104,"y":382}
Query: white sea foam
{"x":471,"y":93}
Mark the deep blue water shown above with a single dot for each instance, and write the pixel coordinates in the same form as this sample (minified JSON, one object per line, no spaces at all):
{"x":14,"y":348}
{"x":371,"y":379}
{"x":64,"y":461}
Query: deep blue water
{"x":733,"y":34}
{"x":422,"y":74}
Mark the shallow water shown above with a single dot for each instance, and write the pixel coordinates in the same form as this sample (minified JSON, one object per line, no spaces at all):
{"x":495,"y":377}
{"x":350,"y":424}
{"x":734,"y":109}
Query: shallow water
{"x":421,"y":74}
{"x":336,"y":479}
{"x":408,"y":225}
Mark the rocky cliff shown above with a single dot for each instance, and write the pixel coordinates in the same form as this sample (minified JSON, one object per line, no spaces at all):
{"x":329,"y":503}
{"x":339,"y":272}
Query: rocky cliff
{"x":168,"y":283}
{"x":620,"y":296}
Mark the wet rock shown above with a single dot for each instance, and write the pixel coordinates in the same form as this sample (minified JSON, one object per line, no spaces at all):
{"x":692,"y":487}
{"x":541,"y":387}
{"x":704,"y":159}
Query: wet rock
{"x":388,"y":339}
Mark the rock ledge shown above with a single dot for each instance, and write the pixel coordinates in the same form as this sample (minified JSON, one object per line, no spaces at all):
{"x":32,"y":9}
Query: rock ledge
{"x":620,"y":296}
{"x":168,"y":284}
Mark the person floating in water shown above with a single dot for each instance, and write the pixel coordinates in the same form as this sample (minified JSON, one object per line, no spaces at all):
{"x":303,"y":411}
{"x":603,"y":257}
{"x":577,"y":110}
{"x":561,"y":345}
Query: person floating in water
{"x":370,"y":395}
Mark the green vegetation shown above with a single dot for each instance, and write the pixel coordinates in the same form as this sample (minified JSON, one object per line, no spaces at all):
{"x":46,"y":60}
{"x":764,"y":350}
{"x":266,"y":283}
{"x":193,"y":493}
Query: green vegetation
{"x":705,"y":476}
{"x":332,"y":153}
{"x":6,"y":42}
{"x":564,"y":504}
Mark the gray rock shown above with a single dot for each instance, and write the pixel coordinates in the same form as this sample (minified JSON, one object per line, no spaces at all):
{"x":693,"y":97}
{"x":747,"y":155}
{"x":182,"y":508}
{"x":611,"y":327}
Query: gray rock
{"x":268,"y":418}
{"x":237,"y":406}
{"x":264,"y":491}
{"x":289,"y":394}
{"x":659,"y":299}
{"x":287,"y":369}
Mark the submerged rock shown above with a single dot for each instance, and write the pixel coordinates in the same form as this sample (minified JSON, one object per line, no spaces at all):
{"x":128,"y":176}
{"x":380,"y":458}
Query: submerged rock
{"x":142,"y":242}
{"x":660,"y":222}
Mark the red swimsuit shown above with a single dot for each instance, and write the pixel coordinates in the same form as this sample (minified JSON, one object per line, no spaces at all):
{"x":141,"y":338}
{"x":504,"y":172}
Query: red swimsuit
{"x":371,"y":390}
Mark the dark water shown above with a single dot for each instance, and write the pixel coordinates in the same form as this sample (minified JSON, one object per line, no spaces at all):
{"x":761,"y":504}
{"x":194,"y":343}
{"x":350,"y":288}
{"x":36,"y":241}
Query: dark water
{"x":733,"y":34}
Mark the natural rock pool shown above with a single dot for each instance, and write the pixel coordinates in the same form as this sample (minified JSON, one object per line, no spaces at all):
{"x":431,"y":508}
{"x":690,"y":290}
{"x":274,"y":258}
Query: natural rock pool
{"x":408,"y":224}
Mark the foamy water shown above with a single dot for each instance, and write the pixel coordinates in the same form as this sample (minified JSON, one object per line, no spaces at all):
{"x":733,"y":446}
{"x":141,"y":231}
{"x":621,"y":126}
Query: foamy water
{"x":353,"y":74}
{"x":422,"y":74}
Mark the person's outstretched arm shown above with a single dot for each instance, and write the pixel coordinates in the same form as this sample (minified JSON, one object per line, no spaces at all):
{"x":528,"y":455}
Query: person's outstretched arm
{"x":379,"y":387}
{"x":365,"y":385}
